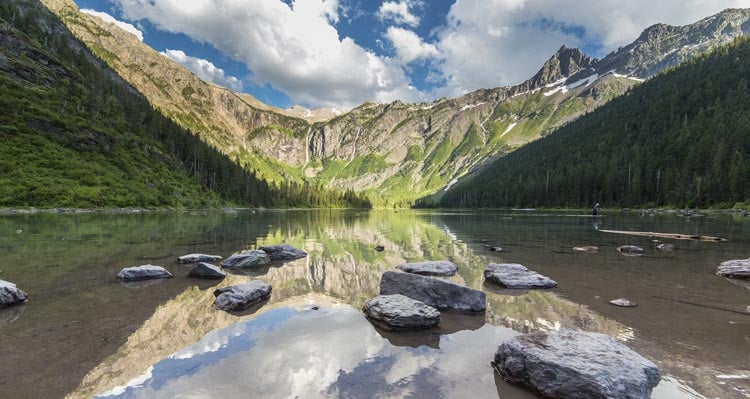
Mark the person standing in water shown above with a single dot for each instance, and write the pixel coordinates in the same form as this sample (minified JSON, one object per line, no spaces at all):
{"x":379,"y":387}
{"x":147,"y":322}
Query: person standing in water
{"x":596,"y":209}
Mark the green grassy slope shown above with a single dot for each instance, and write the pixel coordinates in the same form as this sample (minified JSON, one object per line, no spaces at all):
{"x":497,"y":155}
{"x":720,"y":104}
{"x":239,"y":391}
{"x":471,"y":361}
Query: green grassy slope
{"x":680,"y":139}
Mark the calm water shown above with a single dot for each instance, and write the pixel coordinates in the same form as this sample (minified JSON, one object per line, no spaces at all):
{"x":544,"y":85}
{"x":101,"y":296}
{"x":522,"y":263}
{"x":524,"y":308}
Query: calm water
{"x":83,"y":334}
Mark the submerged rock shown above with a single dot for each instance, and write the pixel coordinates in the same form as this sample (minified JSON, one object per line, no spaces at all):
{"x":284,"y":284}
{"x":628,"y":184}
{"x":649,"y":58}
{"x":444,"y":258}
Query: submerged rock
{"x":735,"y":268}
{"x":10,"y":294}
{"x":665,"y":247}
{"x":437,"y":293}
{"x":241,"y":296}
{"x":631,"y":250}
{"x":143,"y":272}
{"x":625,"y":303}
{"x":515,"y":276}
{"x":399,"y":312}
{"x":207,"y":271}
{"x":283,"y":252}
{"x":589,"y":249}
{"x":195,"y":258}
{"x":430,"y":268}
{"x":496,"y":249}
{"x":575,"y":364}
{"x":246,"y":259}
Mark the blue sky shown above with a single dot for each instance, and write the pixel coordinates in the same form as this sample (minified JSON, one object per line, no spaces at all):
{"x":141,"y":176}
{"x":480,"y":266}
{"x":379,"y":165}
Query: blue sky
{"x":340,"y":53}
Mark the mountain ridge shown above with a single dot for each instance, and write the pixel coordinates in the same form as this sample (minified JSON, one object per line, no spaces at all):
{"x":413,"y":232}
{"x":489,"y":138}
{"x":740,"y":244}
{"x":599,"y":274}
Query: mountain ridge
{"x":399,"y":152}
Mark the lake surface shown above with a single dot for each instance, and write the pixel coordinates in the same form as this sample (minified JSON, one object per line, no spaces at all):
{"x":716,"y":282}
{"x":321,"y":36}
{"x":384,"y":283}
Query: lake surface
{"x":83,"y":334}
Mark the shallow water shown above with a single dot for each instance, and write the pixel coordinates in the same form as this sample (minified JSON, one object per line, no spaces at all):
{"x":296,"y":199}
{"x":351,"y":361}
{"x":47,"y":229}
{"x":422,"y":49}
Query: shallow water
{"x":84,"y":334}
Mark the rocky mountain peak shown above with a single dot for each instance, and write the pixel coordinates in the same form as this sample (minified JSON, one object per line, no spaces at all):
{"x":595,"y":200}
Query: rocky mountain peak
{"x":564,"y":63}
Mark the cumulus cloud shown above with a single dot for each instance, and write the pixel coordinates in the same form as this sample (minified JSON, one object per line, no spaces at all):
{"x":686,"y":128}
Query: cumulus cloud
{"x":295,"y":48}
{"x":503,"y":42}
{"x":122,"y":25}
{"x":204,"y":69}
{"x":409,"y":46}
{"x":399,"y":12}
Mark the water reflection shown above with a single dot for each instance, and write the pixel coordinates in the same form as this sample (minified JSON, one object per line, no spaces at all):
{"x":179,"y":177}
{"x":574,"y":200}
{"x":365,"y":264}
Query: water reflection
{"x":154,"y":333}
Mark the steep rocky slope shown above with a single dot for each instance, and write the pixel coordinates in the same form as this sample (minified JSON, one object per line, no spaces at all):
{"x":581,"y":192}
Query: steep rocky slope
{"x":398,"y":152}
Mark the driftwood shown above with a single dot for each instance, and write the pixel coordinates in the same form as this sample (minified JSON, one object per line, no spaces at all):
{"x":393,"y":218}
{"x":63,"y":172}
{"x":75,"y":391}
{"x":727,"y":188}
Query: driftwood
{"x":667,"y":235}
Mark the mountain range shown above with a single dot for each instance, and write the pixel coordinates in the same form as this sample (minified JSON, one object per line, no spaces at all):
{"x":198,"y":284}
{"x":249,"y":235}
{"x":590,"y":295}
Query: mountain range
{"x":395,"y":153}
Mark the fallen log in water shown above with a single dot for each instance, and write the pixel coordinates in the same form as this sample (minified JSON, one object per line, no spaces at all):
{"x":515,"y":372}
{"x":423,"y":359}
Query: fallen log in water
{"x":675,"y":236}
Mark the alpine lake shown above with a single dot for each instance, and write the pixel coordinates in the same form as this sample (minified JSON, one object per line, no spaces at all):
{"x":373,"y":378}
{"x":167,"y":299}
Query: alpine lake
{"x":83,"y":334}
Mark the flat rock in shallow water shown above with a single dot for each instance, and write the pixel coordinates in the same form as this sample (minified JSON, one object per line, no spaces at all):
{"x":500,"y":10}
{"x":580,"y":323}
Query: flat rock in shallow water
{"x":665,"y":247}
{"x":10,"y":294}
{"x":437,"y":293}
{"x":631,"y":250}
{"x":430,"y":268}
{"x":283,"y":252}
{"x":589,"y":249}
{"x":195,"y":258}
{"x":241,"y":296}
{"x":207,"y":271}
{"x":246,"y":259}
{"x":143,"y":272}
{"x":574,"y":364}
{"x":515,"y":276}
{"x":399,"y":312}
{"x":625,"y":303}
{"x":735,"y":268}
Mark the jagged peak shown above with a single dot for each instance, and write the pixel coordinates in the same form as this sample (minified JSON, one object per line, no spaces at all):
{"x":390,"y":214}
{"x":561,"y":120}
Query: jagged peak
{"x":566,"y":62}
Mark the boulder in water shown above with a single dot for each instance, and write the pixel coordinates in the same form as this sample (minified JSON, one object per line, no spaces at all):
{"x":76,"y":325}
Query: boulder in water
{"x":576,"y":364}
{"x":143,"y":272}
{"x":736,"y":268}
{"x":195,"y":258}
{"x":631,"y":250}
{"x":283,"y":252}
{"x":10,"y":294}
{"x":437,"y":293}
{"x":622,"y":302}
{"x":241,"y":296}
{"x":588,"y":249}
{"x":207,"y":271}
{"x":245,"y":259}
{"x":665,"y":247}
{"x":515,"y":276}
{"x":430,"y":268}
{"x":400,"y":313}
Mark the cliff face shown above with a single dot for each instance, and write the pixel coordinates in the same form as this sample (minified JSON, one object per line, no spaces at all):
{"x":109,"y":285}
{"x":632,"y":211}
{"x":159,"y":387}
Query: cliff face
{"x":396,"y":151}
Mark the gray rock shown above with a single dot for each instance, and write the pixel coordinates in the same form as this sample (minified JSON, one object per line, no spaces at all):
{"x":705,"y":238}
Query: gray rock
{"x":246,"y":259}
{"x":665,"y":247}
{"x":241,"y":296}
{"x":400,"y":313}
{"x":631,"y":250}
{"x":143,"y":272}
{"x":437,"y":293}
{"x":430,"y":268}
{"x":10,"y":294}
{"x":283,"y":252}
{"x":496,"y":249}
{"x":195,"y":258}
{"x":625,"y":303}
{"x":207,"y":271}
{"x":735,"y":268}
{"x":515,"y":276}
{"x":589,"y":249}
{"x":574,"y":364}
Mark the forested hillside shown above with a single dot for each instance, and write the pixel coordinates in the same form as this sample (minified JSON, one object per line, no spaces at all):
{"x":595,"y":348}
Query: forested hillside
{"x":73,"y":134}
{"x":680,"y":139}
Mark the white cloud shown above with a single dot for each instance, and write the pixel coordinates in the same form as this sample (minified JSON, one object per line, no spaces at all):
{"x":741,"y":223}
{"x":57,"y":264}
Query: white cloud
{"x":204,"y":69}
{"x":504,"y":42}
{"x":484,"y":43}
{"x":398,"y":12}
{"x":122,"y":25}
{"x":294,"y":48}
{"x":409,"y":46}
